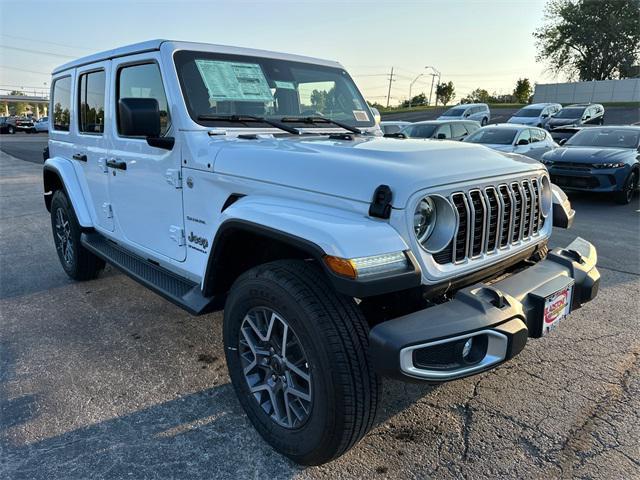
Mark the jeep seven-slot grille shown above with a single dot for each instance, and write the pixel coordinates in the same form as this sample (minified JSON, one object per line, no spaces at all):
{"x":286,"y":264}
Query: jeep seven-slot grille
{"x":493,"y":218}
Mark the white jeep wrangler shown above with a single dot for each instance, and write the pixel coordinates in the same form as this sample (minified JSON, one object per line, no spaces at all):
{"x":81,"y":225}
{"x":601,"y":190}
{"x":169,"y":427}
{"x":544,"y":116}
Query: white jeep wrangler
{"x":259,"y":182}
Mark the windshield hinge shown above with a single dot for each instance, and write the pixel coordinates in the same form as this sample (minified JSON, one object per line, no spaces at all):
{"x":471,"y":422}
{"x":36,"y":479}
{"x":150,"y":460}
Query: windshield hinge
{"x":381,"y":204}
{"x":174,"y":177}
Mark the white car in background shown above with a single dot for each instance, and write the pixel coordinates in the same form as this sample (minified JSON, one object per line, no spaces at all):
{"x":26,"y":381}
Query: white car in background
{"x":507,"y":137}
{"x":470,"y":111}
{"x":41,"y":125}
{"x":391,"y":127}
{"x":535,"y":114}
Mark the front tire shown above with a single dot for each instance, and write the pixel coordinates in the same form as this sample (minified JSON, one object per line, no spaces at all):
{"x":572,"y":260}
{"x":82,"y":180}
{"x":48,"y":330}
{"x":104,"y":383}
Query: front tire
{"x":624,"y":196}
{"x":78,"y":262}
{"x":484,"y":122}
{"x":324,"y":361}
{"x":11,"y":130}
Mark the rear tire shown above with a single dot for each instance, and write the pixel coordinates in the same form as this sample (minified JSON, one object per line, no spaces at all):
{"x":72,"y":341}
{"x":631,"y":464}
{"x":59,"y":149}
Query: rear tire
{"x":332,"y":333}
{"x":624,"y":196}
{"x":78,"y":262}
{"x":11,"y":130}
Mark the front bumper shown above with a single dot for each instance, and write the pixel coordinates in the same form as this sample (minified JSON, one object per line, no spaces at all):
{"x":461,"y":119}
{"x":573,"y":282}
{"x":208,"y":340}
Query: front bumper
{"x":501,"y":316}
{"x":588,"y":179}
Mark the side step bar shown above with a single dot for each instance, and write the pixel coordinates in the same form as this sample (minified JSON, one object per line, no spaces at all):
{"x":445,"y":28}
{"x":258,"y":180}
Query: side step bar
{"x":178,"y":290}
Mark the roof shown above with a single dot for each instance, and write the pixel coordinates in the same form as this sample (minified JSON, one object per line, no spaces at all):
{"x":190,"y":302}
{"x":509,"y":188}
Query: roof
{"x":538,"y":105}
{"x":508,"y":125}
{"x":438,"y":122}
{"x":154,"y":45}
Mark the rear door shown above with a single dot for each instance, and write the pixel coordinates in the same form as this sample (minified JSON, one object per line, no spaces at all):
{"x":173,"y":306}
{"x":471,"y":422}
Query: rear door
{"x":91,"y":145}
{"x":144,"y":181}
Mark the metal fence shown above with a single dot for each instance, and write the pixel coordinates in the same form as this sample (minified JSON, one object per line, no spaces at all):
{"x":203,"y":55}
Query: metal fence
{"x":627,"y":90}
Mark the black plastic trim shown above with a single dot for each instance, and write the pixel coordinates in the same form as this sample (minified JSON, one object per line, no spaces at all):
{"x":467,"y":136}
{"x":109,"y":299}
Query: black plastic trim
{"x":354,"y":288}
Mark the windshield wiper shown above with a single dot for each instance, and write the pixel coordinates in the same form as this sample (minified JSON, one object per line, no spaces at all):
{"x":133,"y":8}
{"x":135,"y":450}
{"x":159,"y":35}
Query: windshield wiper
{"x":316,"y":120}
{"x":247,"y":119}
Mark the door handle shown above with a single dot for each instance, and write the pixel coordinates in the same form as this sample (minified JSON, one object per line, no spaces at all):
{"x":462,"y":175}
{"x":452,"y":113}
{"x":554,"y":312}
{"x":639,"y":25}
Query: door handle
{"x":119,"y":164}
{"x":80,"y":157}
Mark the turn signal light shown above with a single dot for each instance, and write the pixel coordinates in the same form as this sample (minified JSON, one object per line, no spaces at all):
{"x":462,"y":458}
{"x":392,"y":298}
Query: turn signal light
{"x":341,"y":266}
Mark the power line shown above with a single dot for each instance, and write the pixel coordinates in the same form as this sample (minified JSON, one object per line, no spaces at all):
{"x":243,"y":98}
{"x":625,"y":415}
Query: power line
{"x":38,"y":52}
{"x":48,"y":42}
{"x":25,"y":70}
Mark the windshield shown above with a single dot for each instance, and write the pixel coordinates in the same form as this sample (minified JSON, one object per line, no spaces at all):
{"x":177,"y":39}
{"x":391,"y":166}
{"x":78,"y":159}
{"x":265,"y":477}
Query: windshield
{"x":454,"y":112}
{"x":420,"y":131}
{"x":570,"y":113}
{"x":528,"y":112}
{"x":494,"y":136}
{"x":220,"y":84}
{"x":597,"y":137}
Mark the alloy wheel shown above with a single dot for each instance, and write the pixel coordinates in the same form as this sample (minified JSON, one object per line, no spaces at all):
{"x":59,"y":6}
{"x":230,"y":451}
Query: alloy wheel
{"x":275,"y":367}
{"x":63,"y":234}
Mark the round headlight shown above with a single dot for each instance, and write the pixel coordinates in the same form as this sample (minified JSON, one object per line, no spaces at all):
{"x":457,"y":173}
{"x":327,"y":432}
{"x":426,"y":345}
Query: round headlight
{"x":424,"y":219}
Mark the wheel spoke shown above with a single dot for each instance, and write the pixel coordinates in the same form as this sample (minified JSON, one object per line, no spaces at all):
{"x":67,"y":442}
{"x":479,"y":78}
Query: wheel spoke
{"x":304,"y":376}
{"x":298,"y":393}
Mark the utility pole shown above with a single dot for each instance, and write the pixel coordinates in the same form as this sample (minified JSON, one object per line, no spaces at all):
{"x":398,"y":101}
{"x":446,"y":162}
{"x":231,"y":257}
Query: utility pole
{"x":389,"y":92}
{"x":433,"y":77}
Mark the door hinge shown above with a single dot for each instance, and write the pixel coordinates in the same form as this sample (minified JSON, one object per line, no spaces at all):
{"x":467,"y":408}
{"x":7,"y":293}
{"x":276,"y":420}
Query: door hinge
{"x":177,"y":235}
{"x":107,"y":209}
{"x":174,"y":177}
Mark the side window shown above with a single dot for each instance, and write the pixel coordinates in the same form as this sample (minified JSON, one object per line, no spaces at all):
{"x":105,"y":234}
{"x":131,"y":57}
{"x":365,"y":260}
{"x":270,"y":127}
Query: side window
{"x":91,"y":102}
{"x":443,"y":130}
{"x":535,"y":136}
{"x":61,"y":103}
{"x":471,"y":127}
{"x":458,"y":130}
{"x":524,"y":135}
{"x":144,"y":81}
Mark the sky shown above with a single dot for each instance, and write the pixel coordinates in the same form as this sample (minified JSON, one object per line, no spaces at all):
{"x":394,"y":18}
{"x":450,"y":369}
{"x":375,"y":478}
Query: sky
{"x":473,"y":43}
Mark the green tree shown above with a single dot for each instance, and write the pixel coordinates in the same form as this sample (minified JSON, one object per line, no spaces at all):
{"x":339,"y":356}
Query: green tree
{"x":523,"y":90}
{"x":18,"y":108}
{"x":479,"y":95}
{"x":590,"y":39}
{"x":416,"y":101}
{"x":445,"y":92}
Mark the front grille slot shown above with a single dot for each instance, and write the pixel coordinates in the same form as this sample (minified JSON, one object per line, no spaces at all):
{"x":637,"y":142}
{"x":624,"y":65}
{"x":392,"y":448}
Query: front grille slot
{"x":493,"y":218}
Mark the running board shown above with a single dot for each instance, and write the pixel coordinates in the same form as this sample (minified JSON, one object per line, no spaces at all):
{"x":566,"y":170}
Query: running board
{"x":176,"y":289}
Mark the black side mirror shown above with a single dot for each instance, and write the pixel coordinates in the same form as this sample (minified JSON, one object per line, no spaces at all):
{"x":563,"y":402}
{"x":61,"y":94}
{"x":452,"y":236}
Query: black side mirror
{"x":441,"y":136}
{"x":140,"y":117}
{"x":523,"y":141}
{"x":544,"y":115}
{"x":587,"y":117}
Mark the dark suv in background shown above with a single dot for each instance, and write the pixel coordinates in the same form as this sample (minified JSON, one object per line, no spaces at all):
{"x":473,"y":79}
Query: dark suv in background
{"x":577,"y":114}
{"x":7,"y":125}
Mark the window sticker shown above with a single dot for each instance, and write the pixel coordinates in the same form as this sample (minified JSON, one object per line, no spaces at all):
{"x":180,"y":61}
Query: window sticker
{"x":285,"y":85}
{"x":361,"y":115}
{"x":234,"y":81}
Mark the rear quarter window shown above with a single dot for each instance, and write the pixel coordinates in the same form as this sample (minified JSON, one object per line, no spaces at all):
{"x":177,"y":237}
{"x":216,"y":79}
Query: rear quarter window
{"x":61,"y":104}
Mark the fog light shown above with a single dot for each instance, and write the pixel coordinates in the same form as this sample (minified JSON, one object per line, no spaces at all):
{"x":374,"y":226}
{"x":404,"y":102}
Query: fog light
{"x":467,"y":348}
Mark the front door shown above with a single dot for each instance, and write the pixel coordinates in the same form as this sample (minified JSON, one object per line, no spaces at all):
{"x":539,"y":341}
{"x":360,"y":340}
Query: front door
{"x":144,"y":184}
{"x":91,"y":144}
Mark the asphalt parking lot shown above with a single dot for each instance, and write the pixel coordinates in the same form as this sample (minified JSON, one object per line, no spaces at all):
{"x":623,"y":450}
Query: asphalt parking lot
{"x":105,"y":379}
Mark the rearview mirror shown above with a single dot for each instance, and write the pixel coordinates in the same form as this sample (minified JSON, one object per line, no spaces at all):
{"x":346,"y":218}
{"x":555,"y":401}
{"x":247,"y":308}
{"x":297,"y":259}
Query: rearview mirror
{"x":523,"y":141}
{"x":140,"y":117}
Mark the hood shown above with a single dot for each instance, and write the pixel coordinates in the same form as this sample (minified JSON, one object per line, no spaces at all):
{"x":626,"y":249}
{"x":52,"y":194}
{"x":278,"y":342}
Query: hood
{"x":561,"y":122}
{"x":590,"y":154}
{"x":353,"y":169}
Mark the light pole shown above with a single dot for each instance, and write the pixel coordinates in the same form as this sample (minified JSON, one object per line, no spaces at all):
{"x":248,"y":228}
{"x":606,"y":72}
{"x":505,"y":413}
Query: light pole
{"x":411,"y":86}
